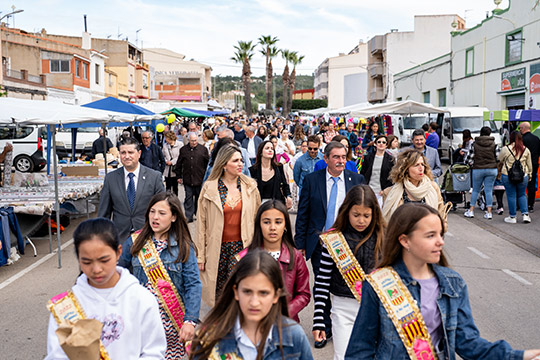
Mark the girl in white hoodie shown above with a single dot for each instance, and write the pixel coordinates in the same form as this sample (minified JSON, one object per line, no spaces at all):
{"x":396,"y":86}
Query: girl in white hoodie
{"x":132,"y":327}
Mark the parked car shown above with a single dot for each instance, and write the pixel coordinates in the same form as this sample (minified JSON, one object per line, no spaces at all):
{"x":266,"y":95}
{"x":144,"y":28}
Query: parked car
{"x":27,"y":141}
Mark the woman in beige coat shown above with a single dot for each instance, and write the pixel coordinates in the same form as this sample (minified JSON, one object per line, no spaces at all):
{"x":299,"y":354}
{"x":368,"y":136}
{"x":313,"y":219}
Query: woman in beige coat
{"x":413,"y":182}
{"x":227,"y":206}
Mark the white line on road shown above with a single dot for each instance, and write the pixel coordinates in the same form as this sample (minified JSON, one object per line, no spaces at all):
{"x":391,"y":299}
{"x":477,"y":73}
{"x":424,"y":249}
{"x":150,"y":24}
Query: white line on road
{"x":478,"y":252}
{"x":33,"y":266}
{"x":516,"y":276}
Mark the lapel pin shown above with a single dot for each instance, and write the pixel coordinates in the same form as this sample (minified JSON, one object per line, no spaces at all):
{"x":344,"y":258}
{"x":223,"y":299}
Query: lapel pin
{"x":144,"y":177}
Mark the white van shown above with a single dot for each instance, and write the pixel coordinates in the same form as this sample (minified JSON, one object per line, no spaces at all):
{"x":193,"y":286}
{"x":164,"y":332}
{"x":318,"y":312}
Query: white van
{"x":85,"y":138}
{"x":28,"y":145}
{"x":409,"y":123}
{"x":457,"y":119}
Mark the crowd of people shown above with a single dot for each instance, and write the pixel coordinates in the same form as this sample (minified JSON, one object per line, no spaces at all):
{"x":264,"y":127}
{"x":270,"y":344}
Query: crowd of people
{"x":370,"y":218}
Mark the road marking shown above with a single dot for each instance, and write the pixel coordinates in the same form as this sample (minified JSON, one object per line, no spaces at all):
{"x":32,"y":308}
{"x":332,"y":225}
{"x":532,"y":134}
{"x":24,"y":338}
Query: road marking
{"x":449,"y":233}
{"x":33,"y":266}
{"x":478,"y":252}
{"x":516,"y":276}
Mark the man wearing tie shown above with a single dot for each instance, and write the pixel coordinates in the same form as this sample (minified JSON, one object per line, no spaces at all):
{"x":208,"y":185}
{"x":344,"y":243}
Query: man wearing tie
{"x":127,"y":191}
{"x":322,"y":194}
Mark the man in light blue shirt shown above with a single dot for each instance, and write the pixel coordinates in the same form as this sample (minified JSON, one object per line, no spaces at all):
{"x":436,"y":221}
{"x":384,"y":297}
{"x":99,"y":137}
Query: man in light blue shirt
{"x":306,"y":163}
{"x":432,"y":155}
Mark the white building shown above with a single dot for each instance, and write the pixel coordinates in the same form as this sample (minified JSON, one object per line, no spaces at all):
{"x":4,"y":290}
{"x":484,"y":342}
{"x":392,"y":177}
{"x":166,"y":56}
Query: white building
{"x":495,"y":64}
{"x":343,"y":79}
{"x":396,"y":51}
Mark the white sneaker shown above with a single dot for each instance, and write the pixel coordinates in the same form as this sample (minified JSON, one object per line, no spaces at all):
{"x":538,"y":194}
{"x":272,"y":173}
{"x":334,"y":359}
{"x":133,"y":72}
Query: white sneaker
{"x":469,"y":214}
{"x":526,"y":218}
{"x":488,"y":216}
{"x":510,"y":220}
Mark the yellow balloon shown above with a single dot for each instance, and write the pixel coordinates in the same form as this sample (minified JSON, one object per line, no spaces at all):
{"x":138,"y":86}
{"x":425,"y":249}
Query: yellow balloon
{"x":171,"y":118}
{"x":160,"y":127}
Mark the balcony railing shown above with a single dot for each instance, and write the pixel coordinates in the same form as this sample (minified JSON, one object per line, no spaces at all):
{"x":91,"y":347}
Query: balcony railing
{"x":376,"y":70}
{"x":14,"y":74}
{"x":376,"y":94}
{"x":23,"y":75}
{"x":376,"y":44}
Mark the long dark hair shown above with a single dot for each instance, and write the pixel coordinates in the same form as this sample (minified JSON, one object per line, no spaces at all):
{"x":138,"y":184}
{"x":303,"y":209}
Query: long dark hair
{"x":179,"y":228}
{"x":466,"y":137}
{"x":286,"y":239}
{"x":260,"y":149}
{"x":100,"y":228}
{"x":220,"y":320}
{"x":517,"y":140}
{"x":403,"y":222}
{"x":362,"y":195}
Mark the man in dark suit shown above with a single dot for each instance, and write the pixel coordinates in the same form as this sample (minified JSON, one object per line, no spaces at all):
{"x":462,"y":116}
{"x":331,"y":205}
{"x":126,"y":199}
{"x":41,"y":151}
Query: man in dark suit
{"x":127,"y":191}
{"x":322,"y":194}
{"x":151,"y":154}
{"x":251,"y":143}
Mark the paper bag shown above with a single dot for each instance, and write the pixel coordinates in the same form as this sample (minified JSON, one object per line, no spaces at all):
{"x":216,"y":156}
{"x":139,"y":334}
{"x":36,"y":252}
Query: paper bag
{"x":80,"y":340}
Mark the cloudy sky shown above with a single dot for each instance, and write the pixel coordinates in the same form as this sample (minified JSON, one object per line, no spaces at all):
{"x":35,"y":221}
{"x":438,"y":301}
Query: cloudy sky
{"x":206,"y":31}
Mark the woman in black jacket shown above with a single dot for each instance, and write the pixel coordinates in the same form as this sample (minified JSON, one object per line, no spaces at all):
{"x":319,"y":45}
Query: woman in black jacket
{"x":377,"y":166}
{"x":270,"y":175}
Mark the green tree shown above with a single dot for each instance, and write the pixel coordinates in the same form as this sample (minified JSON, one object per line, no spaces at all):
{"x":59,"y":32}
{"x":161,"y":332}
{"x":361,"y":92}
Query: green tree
{"x":269,"y":51}
{"x":244,"y":54}
{"x":295,"y":60}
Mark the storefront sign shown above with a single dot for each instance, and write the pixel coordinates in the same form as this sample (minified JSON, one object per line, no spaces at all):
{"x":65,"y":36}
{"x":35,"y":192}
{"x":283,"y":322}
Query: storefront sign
{"x":513,"y":79}
{"x":534,"y":80}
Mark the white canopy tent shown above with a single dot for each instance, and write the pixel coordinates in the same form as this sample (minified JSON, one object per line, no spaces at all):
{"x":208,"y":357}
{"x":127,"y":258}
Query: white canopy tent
{"x":21,"y":111}
{"x":314,"y":112}
{"x":399,"y":107}
{"x":347,"y":110}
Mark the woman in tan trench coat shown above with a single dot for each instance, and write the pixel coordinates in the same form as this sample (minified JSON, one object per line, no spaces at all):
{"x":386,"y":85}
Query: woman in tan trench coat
{"x":227,"y":206}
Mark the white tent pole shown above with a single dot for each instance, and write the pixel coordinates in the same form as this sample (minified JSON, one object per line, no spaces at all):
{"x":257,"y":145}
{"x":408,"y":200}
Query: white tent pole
{"x":56,"y":193}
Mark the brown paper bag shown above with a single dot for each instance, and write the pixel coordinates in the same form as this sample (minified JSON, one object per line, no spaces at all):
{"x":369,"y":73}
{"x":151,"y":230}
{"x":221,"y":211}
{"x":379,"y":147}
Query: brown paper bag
{"x":80,"y":340}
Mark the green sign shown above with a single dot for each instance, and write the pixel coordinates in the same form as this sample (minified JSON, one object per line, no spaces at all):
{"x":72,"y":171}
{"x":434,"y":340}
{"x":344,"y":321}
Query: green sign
{"x":513,"y":79}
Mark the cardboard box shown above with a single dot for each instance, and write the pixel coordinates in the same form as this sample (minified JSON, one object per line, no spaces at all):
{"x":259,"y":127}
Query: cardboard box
{"x":82,"y":170}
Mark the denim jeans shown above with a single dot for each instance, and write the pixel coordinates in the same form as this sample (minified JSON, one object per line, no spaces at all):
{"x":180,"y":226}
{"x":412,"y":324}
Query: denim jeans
{"x":486,"y":177}
{"x":516,"y":191}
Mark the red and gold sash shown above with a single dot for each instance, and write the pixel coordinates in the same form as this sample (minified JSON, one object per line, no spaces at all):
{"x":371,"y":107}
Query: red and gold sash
{"x":403,"y":310}
{"x":345,"y":261}
{"x":161,"y":282}
{"x":64,"y":307}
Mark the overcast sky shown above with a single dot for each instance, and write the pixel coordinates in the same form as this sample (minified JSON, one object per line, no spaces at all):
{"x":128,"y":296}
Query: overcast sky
{"x":206,"y":31}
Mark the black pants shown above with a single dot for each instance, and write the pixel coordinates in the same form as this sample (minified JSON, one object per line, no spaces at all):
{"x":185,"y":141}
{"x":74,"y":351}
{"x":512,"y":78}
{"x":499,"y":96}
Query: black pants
{"x":499,"y":195}
{"x":192,"y":198}
{"x":171,"y":184}
{"x":531,"y":188}
{"x":315,"y":265}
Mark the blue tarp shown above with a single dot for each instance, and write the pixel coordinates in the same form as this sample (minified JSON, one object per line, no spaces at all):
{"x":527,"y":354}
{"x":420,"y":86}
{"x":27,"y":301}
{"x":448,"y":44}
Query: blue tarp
{"x":114,"y":104}
{"x":524,"y":115}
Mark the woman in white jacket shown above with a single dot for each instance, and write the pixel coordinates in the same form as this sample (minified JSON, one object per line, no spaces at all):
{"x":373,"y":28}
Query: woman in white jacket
{"x":132,"y":327}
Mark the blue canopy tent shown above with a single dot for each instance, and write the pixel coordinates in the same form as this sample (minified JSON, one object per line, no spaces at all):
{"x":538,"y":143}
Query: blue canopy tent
{"x":142,"y":117}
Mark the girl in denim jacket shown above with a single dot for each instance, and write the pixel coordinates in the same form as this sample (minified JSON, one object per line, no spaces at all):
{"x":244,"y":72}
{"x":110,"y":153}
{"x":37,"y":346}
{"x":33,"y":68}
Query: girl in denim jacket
{"x":249,"y":320}
{"x":165,"y":225}
{"x":413,"y":248}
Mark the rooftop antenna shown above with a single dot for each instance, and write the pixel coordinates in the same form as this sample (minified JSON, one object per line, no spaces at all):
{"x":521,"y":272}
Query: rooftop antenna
{"x":85,"y":27}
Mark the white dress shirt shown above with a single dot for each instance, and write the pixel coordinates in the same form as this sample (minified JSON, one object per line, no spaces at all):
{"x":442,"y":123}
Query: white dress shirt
{"x":341,"y":192}
{"x":252,"y":152}
{"x":135,"y":178}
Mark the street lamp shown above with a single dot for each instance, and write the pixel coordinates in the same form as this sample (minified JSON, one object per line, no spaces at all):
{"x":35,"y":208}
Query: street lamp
{"x":11,"y":13}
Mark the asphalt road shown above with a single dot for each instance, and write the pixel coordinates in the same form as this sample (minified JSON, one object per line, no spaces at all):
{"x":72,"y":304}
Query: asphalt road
{"x":503,"y":280}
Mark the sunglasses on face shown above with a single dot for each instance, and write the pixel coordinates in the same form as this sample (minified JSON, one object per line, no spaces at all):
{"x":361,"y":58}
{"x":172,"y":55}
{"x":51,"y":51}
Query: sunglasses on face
{"x":381,"y":142}
{"x":313,"y":149}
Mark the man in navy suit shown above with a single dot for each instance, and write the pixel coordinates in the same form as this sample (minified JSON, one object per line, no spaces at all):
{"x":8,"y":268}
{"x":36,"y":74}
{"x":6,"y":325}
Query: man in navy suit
{"x":127,"y":191}
{"x":322,"y":194}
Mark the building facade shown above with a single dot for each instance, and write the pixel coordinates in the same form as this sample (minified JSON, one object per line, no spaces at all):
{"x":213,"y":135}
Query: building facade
{"x":177,"y":79}
{"x":396,"y":51}
{"x":343,"y":79}
{"x":495,"y":64}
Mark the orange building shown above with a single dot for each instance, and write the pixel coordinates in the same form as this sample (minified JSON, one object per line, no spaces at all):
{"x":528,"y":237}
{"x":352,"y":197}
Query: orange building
{"x":306,"y":94}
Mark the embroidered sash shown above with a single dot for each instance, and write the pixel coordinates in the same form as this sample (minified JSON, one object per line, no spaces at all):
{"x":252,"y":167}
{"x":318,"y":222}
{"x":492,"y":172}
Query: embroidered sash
{"x":214,"y":355}
{"x":403,"y":310}
{"x":161,"y":282}
{"x":65,"y":306}
{"x":345,"y":261}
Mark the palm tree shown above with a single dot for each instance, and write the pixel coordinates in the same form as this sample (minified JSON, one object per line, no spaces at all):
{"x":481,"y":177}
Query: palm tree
{"x":295,"y":60}
{"x":243,"y":54}
{"x":286,"y":54}
{"x":269,"y":51}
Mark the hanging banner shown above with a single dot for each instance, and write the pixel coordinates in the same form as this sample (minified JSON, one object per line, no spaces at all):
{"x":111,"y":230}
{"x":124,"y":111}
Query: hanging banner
{"x":534,"y":80}
{"x":513,"y":79}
